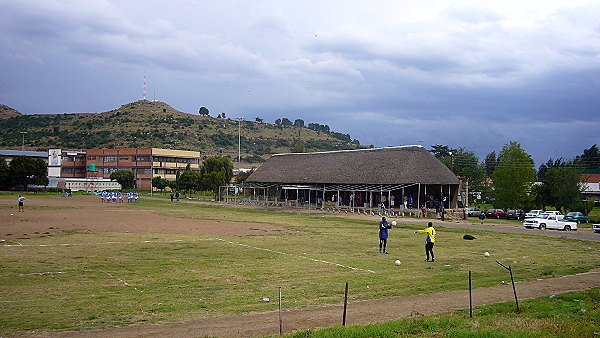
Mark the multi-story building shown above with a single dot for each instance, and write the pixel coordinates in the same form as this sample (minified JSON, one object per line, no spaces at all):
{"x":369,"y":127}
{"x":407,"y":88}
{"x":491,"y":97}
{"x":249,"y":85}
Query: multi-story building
{"x":145,"y":163}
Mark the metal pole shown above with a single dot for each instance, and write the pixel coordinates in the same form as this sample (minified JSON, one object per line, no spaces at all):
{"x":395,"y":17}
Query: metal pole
{"x":280,"y":318}
{"x":513,"y":283}
{"x":470,"y":297}
{"x":514,"y":290}
{"x":345,"y":305}
{"x":23,"y":143}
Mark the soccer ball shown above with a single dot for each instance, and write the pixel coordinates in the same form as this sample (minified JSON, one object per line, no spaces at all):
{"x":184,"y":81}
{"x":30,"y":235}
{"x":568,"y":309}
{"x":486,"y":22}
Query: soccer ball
{"x":397,"y":262}
{"x":486,"y":254}
{"x":394,"y":223}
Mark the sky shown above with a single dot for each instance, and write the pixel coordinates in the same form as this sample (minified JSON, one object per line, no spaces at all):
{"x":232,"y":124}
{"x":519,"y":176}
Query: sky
{"x":473,"y":74}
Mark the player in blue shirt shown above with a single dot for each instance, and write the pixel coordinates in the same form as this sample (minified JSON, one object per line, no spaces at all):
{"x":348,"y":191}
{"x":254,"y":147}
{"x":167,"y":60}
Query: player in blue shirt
{"x":383,"y":235}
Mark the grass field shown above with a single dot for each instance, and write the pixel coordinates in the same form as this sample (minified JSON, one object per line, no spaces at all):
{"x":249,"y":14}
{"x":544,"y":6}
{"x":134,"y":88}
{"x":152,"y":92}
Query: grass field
{"x":85,"y":279}
{"x":573,"y":314}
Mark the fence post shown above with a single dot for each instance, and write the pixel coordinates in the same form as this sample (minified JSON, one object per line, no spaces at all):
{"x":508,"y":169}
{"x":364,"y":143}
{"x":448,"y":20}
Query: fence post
{"x":280,"y":318}
{"x":345,"y":305}
{"x":470,"y":298}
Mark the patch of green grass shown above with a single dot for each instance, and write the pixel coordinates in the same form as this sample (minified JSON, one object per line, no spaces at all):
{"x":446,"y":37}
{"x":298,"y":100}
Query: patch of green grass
{"x":573,"y":314}
{"x":112,"y":279}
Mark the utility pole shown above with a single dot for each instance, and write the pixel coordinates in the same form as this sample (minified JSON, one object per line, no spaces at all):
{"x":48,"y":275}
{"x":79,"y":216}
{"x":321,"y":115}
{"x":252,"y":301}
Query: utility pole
{"x":23,"y":143}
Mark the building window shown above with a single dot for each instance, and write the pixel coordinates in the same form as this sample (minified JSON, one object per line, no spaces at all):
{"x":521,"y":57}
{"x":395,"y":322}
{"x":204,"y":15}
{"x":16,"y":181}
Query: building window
{"x":110,"y":159}
{"x":92,"y":158}
{"x":124,"y":158}
{"x":143,"y":159}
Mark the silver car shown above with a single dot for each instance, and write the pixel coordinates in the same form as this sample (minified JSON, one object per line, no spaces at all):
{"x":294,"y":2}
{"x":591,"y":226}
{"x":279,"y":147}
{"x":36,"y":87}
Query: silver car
{"x":473,"y":212}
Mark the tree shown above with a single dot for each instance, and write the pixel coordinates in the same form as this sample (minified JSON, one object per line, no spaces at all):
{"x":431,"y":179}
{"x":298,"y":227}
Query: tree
{"x":299,"y":123}
{"x":278,"y":122}
{"x":441,"y":151}
{"x":541,"y":174}
{"x":562,"y":188}
{"x":489,"y":163}
{"x":259,"y":120}
{"x":242,"y":176}
{"x":286,"y":122}
{"x":298,"y":148}
{"x":513,"y":178}
{"x":215,"y":172}
{"x":203,"y":111}
{"x":189,"y":180}
{"x":159,"y":183}
{"x":590,"y":158}
{"x":124,"y":177}
{"x":26,"y":170}
{"x":4,"y":174}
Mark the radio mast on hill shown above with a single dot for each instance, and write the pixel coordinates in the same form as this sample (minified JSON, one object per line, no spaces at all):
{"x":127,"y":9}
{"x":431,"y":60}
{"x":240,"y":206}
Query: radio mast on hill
{"x":144,"y":89}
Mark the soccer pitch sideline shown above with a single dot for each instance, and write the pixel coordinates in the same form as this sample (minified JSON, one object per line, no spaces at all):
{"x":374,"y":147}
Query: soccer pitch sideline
{"x":85,"y":279}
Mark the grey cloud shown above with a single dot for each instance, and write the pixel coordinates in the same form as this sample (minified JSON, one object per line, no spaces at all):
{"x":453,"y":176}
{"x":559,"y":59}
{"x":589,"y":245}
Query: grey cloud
{"x":473,"y":15}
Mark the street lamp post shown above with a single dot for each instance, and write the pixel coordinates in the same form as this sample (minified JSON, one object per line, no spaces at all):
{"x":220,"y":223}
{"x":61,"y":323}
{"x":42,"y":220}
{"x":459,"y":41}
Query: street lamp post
{"x":23,"y":142}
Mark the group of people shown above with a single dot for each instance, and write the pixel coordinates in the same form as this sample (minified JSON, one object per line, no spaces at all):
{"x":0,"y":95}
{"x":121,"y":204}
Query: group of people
{"x":114,"y":197}
{"x":384,"y":226}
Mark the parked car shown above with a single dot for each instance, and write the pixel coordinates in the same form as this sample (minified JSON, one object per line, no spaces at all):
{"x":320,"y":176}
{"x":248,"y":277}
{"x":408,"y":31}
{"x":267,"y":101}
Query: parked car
{"x":576,"y":216}
{"x":533,"y":213}
{"x":495,"y":213}
{"x":550,"y":220}
{"x":596,"y":227}
{"x":515,"y":214}
{"x":473,"y":212}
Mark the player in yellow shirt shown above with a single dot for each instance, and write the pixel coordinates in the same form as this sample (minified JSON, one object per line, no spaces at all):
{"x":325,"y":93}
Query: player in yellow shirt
{"x":430,"y":231}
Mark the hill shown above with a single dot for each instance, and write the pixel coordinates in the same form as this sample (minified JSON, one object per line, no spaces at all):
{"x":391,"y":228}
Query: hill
{"x":156,"y":124}
{"x":7,"y":112}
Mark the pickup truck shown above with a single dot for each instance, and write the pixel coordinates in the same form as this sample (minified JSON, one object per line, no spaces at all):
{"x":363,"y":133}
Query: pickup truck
{"x":533,"y":213}
{"x":551,"y":220}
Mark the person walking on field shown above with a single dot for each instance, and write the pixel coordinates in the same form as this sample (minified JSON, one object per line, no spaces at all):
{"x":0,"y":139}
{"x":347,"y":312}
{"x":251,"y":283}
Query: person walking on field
{"x":430,"y":231}
{"x":172,"y":195}
{"x":21,"y":200}
{"x":383,"y":235}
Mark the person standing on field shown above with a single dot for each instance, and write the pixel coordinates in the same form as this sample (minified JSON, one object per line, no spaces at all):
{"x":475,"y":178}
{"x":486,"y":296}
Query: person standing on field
{"x":21,"y":200}
{"x":383,"y":235}
{"x":430,"y":241}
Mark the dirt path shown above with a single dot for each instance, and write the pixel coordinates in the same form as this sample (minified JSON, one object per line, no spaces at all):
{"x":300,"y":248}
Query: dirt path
{"x":359,"y":313}
{"x":91,"y":214}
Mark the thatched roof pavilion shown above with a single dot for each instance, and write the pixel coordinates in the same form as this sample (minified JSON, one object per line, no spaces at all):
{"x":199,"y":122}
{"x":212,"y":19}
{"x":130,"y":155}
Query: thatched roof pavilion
{"x":384,"y":177}
{"x":392,"y":165}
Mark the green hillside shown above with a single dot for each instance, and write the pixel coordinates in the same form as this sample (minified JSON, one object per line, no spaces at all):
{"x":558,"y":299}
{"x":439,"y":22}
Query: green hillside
{"x":156,"y":124}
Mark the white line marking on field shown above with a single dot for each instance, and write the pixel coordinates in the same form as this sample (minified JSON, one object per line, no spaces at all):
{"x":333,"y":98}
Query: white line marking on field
{"x":104,"y":243}
{"x":40,"y":273}
{"x":124,"y":282}
{"x":301,"y":256}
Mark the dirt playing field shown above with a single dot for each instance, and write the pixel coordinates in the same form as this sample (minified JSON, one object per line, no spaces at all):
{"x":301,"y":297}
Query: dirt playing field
{"x":48,"y":216}
{"x":93,"y":215}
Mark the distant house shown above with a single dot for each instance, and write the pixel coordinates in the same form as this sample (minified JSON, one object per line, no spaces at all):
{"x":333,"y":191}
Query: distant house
{"x":365,"y":178}
{"x":590,"y":179}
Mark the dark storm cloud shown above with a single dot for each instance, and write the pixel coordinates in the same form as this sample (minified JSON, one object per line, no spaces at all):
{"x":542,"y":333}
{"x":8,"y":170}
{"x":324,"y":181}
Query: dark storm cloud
{"x":473,"y":74}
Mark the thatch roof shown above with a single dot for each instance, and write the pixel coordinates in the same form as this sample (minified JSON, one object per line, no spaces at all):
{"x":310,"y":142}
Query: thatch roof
{"x":392,"y":165}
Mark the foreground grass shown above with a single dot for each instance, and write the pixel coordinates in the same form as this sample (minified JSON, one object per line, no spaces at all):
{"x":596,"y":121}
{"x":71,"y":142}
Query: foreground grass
{"x":573,"y":314}
{"x":112,"y":279}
